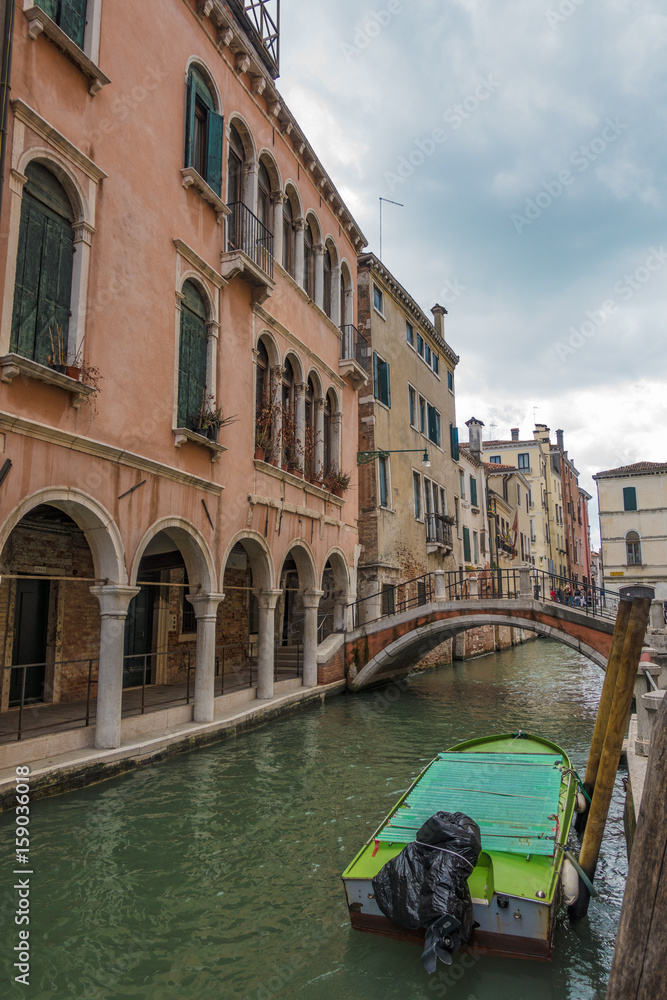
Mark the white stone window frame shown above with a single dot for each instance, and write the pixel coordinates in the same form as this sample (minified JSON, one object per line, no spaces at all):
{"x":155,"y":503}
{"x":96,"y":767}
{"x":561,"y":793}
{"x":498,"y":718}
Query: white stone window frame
{"x":35,"y":139}
{"x":39,"y":23}
{"x":191,"y":267}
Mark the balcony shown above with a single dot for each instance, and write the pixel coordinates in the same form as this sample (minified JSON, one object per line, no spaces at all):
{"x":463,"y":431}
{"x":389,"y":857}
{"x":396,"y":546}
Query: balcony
{"x":438,"y":532}
{"x":249,"y":251}
{"x":354,"y":354}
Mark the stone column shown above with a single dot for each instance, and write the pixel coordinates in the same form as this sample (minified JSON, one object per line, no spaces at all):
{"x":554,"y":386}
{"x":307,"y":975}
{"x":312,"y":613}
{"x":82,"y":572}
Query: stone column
{"x":336,"y":438}
{"x":657,"y":615}
{"x":336,"y":317}
{"x":348,"y":318}
{"x":250,"y":176}
{"x":299,"y":227}
{"x":300,"y":390}
{"x":267,"y":600}
{"x":311,"y":602}
{"x":319,"y":275}
{"x":440,"y":587}
{"x":279,"y":200}
{"x":206,"y":610}
{"x":114,"y":601}
{"x":83,"y":235}
{"x":340,"y":611}
{"x":525,"y":588}
{"x":277,"y":372}
{"x":319,"y":436}
{"x":212,"y":335}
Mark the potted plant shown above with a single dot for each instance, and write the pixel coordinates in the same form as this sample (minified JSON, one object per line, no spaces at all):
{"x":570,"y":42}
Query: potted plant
{"x":210,"y":418}
{"x":337,"y":481}
{"x":57,"y":359}
{"x":292,"y":447}
{"x":263,"y":430}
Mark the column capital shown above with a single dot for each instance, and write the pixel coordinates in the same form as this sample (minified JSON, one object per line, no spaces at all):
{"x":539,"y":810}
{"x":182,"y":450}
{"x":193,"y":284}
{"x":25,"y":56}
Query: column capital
{"x":318,"y":249}
{"x":300,"y":388}
{"x":311,"y":598}
{"x":205,"y":605}
{"x":267,"y":599}
{"x":300,"y":225}
{"x":114,"y":599}
{"x":320,"y":403}
{"x":278,"y":197}
{"x":277,"y":371}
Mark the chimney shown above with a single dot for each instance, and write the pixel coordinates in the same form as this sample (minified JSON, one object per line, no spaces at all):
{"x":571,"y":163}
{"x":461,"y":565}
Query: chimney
{"x":559,"y":440}
{"x":475,"y":437}
{"x":515,"y":433}
{"x":439,"y":313}
{"x":541,"y":433}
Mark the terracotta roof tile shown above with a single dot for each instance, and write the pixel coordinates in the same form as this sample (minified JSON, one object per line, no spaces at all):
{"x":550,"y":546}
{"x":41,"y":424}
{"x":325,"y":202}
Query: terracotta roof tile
{"x":635,"y":469}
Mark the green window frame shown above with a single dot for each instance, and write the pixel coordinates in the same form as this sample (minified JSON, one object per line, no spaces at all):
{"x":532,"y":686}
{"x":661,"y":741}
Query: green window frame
{"x":69,"y":15}
{"x":433,"y":425}
{"x":192,"y":357}
{"x":381,"y":382}
{"x":43,"y":285}
{"x":204,"y":129}
{"x":473,"y":491}
{"x":629,"y":498}
{"x":382,"y":481}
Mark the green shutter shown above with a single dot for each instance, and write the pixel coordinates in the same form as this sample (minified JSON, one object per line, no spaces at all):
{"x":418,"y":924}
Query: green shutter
{"x":214,"y":131}
{"x":466,"y":544}
{"x":384,"y":379}
{"x":473,"y":491}
{"x":454,"y":441}
{"x":73,"y":19}
{"x":189,"y":119}
{"x":192,"y":358}
{"x":376,"y":382}
{"x":629,"y":498}
{"x":43,"y":283}
{"x":432,"y":424}
{"x":49,"y":7}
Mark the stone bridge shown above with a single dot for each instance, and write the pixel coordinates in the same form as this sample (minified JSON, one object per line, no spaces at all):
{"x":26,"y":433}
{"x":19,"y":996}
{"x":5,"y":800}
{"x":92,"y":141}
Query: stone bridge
{"x":391,"y":646}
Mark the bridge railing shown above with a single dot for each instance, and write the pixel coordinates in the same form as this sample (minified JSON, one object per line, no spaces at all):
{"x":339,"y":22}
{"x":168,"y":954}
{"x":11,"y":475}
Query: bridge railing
{"x":461,"y":585}
{"x":391,"y":599}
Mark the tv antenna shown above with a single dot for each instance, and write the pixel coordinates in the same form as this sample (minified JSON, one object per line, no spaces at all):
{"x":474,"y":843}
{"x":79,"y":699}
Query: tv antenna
{"x":389,"y":202}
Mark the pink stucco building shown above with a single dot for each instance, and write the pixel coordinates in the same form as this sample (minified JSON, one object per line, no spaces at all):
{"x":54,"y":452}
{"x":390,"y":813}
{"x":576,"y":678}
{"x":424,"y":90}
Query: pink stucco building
{"x":172,"y":253}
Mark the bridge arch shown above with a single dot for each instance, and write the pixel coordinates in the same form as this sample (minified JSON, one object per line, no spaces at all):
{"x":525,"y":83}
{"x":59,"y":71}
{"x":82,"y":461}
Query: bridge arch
{"x":397,"y":654}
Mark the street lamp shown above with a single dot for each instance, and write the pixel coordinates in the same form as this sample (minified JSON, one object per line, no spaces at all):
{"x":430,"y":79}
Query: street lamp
{"x":364,"y":457}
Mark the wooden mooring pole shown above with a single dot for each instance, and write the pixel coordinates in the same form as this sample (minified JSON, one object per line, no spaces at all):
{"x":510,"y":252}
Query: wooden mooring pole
{"x":606,"y":698}
{"x":611,"y":750}
{"x":639,"y":970}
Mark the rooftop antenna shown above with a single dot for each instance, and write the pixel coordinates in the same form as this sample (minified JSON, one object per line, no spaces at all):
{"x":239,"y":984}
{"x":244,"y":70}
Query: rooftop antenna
{"x":492,"y":427}
{"x":534,"y":414}
{"x":389,"y":202}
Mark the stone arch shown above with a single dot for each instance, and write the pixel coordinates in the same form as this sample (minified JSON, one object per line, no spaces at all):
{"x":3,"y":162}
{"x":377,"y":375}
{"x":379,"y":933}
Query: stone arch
{"x":335,"y":567}
{"x":297,"y":365}
{"x":306,"y":564}
{"x":96,"y":523}
{"x":271,"y":346}
{"x":63,"y":172}
{"x":346,"y":294}
{"x":331,"y":246}
{"x":193,"y":547}
{"x":259,"y":554}
{"x":397,"y":656}
{"x":197,"y":63}
{"x":294,"y":198}
{"x":315,"y":226}
{"x":246,"y":136}
{"x":196,"y":279}
{"x":318,"y":386}
{"x":266,"y":157}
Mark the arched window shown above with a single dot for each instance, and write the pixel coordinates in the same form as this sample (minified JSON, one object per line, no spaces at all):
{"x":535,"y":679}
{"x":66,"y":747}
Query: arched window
{"x":43,"y":288}
{"x":69,"y":15}
{"x":288,"y":238}
{"x":343,"y":319}
{"x":633,"y":548}
{"x":203,"y":132}
{"x":235,"y":167}
{"x":308,"y":262}
{"x":264,"y":197}
{"x":263,"y":409}
{"x":328,"y":276}
{"x":192,"y":357}
{"x":311,"y":431}
{"x":329,"y":460}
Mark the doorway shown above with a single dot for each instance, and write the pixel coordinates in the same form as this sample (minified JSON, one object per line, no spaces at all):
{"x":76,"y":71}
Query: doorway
{"x":30,"y":629}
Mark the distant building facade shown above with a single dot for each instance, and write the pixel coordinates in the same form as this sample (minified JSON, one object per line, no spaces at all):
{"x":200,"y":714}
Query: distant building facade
{"x":633,"y":528}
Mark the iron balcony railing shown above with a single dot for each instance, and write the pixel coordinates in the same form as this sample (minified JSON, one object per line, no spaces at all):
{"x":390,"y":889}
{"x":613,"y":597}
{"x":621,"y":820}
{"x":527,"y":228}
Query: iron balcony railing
{"x":245,"y":232}
{"x":353,"y":346}
{"x":439,"y":530}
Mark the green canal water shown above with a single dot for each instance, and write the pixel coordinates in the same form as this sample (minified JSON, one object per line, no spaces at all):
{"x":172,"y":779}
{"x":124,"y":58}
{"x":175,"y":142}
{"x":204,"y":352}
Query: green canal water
{"x":216,"y":874}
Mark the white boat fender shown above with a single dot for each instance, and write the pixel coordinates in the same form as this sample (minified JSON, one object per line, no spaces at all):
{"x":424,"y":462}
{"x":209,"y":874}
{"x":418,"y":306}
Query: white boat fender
{"x":580,"y":805}
{"x":570,"y":880}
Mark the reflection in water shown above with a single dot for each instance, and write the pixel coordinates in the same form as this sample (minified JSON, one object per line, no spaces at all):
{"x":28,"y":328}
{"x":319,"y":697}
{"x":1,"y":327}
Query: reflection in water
{"x":216,"y":874}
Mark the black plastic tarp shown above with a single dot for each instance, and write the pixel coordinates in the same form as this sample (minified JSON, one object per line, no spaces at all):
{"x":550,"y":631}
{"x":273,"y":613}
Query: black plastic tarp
{"x":426,"y":885}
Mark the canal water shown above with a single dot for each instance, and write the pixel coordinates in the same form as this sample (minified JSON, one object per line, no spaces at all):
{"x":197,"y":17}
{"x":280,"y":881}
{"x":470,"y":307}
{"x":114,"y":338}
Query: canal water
{"x":216,"y":874}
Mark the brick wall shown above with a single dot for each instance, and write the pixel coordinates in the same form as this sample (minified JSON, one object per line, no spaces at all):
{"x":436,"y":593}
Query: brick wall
{"x":333,"y":669}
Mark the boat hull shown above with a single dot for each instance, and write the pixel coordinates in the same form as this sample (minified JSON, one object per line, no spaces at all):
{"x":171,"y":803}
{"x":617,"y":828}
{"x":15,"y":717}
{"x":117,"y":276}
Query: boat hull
{"x":514,"y":895}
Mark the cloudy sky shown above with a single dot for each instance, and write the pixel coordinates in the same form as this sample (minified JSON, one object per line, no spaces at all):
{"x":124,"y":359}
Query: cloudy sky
{"x":525,"y":139}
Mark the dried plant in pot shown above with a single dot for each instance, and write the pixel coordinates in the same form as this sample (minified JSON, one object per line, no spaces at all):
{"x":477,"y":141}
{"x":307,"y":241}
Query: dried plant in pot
{"x":211,"y":418}
{"x":337,"y":481}
{"x":264,"y":420}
